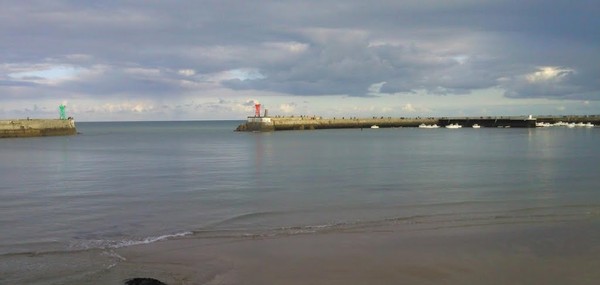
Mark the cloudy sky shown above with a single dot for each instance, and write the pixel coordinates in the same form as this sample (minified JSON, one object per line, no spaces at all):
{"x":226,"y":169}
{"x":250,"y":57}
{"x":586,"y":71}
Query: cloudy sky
{"x":202,"y":60}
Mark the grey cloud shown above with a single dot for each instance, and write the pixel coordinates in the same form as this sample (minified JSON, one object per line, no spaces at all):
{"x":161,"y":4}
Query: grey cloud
{"x":15,"y":83}
{"x":335,"y":47}
{"x":116,"y":83}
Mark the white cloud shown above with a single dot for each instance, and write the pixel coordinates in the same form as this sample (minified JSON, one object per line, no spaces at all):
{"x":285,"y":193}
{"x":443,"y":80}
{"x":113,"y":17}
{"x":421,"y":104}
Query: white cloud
{"x":242,"y":74}
{"x":79,"y":57}
{"x":382,"y":43}
{"x":375,"y":88}
{"x":43,"y":73}
{"x":291,"y":47}
{"x":548,"y":73}
{"x":137,"y":107}
{"x":408,"y":107}
{"x":186,"y":72}
{"x":287,"y":108}
{"x":387,"y":109}
{"x":148,"y":72}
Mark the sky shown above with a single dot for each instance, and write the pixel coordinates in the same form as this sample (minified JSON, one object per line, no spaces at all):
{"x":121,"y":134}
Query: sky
{"x":126,"y":60}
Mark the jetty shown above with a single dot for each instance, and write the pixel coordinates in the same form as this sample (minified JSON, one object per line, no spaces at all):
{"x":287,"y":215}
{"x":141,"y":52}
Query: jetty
{"x":314,"y":123}
{"x":19,"y":128}
{"x":258,"y":123}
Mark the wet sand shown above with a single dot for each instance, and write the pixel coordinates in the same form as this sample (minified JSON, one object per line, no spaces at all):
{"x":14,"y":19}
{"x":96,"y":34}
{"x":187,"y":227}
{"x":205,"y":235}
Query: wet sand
{"x":555,"y":253}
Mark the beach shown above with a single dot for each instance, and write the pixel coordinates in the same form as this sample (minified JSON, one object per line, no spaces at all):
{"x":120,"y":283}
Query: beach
{"x":555,"y":253}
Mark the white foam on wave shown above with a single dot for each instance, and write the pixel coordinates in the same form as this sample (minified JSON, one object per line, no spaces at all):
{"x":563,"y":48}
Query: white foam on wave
{"x":111,"y":244}
{"x":148,"y":240}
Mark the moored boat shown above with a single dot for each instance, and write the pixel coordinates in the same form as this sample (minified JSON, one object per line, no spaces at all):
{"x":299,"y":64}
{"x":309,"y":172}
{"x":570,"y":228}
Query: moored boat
{"x":453,"y":126}
{"x":425,"y":126}
{"x":543,"y":124}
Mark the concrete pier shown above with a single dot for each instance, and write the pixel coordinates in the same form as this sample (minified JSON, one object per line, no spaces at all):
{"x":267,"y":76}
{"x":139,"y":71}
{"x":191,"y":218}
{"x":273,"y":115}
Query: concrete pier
{"x":257,"y":124}
{"x":491,"y":122}
{"x":312,"y":122}
{"x":36,"y":128}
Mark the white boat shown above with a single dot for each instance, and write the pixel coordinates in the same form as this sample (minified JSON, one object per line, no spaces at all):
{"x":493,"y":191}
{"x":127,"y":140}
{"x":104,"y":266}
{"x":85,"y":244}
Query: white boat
{"x":453,"y":126}
{"x":560,"y":124}
{"x":542,"y":124}
{"x":589,"y":125}
{"x":570,"y":125}
{"x":424,"y":126}
{"x":580,"y":124}
{"x":374,"y":127}
{"x":476,"y":126}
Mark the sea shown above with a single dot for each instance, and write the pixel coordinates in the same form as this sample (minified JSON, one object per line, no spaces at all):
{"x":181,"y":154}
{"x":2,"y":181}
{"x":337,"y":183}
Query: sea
{"x":118,"y":184}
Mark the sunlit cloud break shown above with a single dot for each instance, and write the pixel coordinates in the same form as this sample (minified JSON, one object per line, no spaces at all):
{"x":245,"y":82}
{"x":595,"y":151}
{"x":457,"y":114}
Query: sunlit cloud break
{"x":548,"y":73}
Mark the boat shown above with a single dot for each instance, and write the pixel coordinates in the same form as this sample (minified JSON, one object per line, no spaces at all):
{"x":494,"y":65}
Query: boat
{"x":589,"y":125}
{"x":424,"y":126}
{"x":560,"y":124}
{"x":374,"y":127}
{"x":453,"y":126}
{"x":476,"y":126}
{"x":543,"y":124}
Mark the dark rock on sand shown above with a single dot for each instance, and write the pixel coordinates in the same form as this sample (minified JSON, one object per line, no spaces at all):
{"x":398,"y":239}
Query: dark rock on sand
{"x":143,"y":281}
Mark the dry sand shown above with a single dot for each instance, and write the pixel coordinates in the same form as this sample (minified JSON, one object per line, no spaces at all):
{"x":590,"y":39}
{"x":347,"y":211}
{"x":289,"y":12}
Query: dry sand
{"x":499,"y":254}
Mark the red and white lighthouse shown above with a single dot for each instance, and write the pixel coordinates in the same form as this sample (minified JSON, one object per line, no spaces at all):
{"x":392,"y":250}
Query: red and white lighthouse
{"x":257,"y":110}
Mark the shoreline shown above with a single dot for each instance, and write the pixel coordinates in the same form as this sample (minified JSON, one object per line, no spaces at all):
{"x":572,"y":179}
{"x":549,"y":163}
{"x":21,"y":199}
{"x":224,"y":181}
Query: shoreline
{"x":549,"y":253}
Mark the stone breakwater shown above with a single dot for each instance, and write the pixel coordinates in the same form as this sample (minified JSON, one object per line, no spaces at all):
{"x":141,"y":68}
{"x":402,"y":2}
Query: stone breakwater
{"x":36,"y":128}
{"x":313,"y":122}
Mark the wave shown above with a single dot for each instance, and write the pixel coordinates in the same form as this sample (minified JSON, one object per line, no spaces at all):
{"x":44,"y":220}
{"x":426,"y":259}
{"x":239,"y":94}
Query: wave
{"x":98,"y":244}
{"x":113,"y":244}
{"x":532,"y":215}
{"x":245,"y":217}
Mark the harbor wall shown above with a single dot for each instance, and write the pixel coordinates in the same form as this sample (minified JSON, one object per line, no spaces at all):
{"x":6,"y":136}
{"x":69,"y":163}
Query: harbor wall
{"x":313,"y":122}
{"x":490,"y":122}
{"x":257,"y":124}
{"x":36,"y":128}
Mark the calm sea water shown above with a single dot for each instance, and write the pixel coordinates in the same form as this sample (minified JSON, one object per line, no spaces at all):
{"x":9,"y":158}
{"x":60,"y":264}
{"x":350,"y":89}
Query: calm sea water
{"x":118,"y":184}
